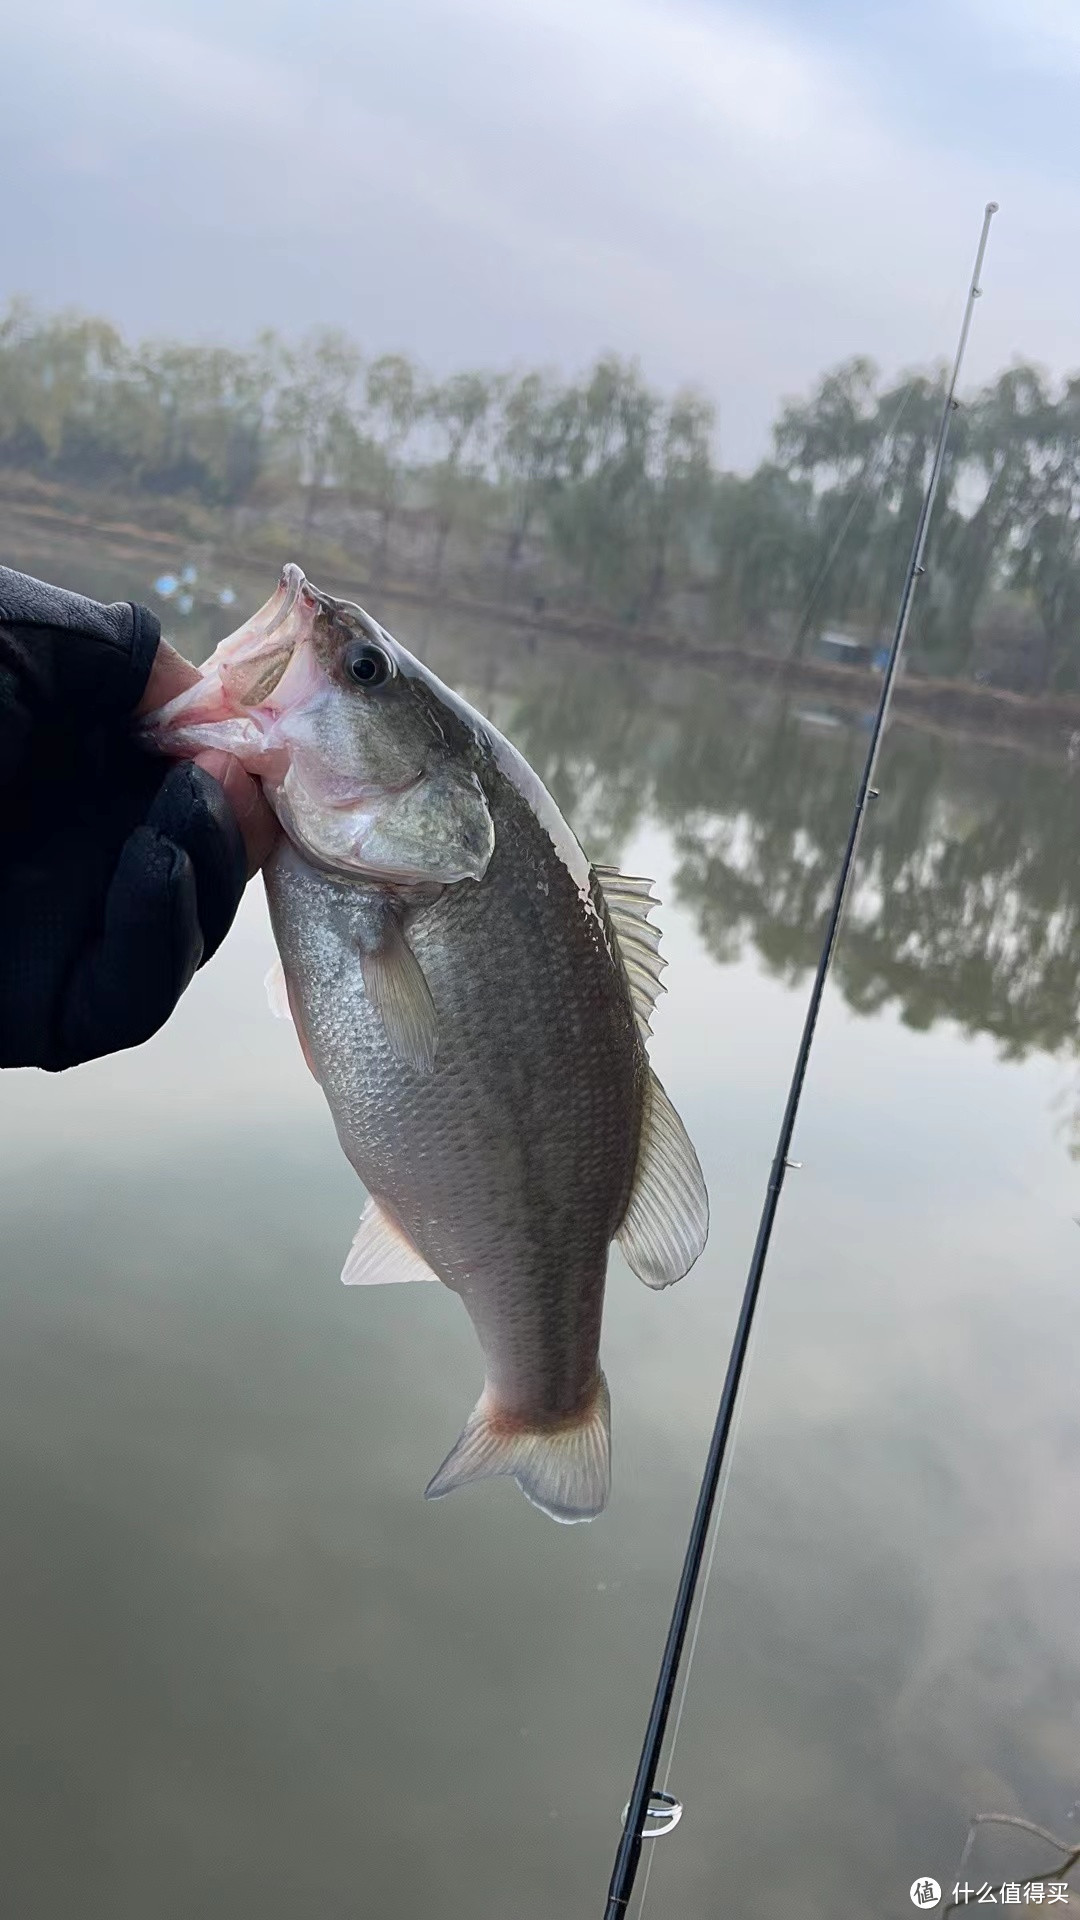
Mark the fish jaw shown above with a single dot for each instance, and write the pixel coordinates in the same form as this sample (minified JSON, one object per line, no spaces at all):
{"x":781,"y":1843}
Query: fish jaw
{"x":416,"y":817}
{"x":254,"y":679}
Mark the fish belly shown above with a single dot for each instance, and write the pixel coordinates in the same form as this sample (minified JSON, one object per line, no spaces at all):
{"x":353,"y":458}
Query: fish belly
{"x":510,"y":1165}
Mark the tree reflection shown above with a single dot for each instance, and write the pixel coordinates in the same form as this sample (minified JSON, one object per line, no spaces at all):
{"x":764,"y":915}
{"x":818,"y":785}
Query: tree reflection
{"x":967,"y":900}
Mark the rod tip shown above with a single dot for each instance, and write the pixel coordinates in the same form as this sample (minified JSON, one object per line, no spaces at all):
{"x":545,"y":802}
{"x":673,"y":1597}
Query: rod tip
{"x":991,"y":206}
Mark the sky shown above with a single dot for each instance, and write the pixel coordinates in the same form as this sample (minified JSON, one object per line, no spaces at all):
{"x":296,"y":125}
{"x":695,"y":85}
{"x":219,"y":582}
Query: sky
{"x":737,"y":195}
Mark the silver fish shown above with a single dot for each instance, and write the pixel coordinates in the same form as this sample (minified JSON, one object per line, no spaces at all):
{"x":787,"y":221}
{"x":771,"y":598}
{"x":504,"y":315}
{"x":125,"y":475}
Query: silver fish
{"x":474,"y":999}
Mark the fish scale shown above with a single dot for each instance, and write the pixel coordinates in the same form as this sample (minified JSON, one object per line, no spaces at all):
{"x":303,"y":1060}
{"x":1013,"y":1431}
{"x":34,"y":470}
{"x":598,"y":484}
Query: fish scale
{"x":511,"y":1166}
{"x":475,"y":1001}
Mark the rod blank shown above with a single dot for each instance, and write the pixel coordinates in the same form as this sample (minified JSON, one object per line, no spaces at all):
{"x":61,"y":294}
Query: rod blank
{"x":629,"y":1853}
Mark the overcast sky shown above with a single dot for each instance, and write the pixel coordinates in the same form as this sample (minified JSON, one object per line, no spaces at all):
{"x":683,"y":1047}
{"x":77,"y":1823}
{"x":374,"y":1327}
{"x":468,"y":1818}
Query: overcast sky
{"x":737,"y":194}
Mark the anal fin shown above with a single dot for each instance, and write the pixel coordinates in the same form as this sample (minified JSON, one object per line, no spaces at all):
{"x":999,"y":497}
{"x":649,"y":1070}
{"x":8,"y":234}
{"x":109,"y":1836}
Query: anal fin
{"x":667,"y":1221}
{"x":382,"y":1253}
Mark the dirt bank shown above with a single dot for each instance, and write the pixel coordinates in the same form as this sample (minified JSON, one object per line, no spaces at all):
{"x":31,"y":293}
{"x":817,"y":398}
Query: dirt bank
{"x":43,"y":520}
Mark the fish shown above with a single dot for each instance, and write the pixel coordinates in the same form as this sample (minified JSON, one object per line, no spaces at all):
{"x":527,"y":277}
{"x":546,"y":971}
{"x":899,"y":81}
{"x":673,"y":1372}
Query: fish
{"x":474,"y":998}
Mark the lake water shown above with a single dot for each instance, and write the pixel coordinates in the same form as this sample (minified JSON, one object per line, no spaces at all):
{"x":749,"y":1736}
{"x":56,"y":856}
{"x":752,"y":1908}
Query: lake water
{"x":248,"y":1671}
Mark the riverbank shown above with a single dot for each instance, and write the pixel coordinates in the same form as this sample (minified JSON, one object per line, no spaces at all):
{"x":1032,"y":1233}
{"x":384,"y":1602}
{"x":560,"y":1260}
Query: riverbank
{"x":40,"y":523}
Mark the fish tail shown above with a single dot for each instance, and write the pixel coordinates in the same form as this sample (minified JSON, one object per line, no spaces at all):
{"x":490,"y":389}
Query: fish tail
{"x":564,"y":1470}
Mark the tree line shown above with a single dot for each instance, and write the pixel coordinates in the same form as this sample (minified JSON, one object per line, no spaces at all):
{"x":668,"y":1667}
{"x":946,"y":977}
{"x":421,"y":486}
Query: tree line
{"x":597,"y":493}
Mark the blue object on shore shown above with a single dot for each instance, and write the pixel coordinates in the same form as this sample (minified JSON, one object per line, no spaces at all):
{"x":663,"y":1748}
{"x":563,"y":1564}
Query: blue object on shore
{"x":166,"y":585}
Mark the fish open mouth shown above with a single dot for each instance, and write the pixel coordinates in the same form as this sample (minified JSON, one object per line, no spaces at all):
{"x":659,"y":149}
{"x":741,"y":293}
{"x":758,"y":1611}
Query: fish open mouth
{"x":253,"y":676}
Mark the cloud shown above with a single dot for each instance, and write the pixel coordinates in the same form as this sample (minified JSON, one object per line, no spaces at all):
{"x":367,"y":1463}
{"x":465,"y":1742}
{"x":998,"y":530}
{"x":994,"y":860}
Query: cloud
{"x":701,"y":186}
{"x":1041,"y":35}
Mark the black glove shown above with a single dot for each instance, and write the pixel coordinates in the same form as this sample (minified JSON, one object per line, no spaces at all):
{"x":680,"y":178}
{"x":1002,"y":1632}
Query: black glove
{"x":120,"y":872}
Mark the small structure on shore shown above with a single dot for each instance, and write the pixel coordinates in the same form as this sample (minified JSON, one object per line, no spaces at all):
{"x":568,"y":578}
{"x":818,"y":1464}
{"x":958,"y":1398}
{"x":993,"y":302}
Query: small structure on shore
{"x":843,"y":649}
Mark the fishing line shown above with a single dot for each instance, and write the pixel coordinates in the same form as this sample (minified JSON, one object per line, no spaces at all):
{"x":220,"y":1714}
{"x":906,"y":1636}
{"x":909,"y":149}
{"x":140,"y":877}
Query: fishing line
{"x":868,"y":483}
{"x":868,"y":474}
{"x":628,"y":1856}
{"x":688,"y":1664}
{"x":868,"y":480}
{"x":871,"y":481}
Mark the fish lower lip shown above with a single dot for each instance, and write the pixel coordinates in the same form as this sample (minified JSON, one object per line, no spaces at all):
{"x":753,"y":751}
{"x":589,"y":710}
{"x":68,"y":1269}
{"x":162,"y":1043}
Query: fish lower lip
{"x":205,"y":703}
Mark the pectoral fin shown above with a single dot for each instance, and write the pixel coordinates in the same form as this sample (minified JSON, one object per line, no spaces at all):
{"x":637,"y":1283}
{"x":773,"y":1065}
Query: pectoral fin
{"x":395,"y":985}
{"x":382,"y":1253}
{"x":667,"y":1221}
{"x":277,"y":993}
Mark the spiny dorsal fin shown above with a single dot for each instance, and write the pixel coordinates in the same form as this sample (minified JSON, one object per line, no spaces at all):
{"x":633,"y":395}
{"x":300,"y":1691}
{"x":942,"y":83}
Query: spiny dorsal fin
{"x":667,"y":1220}
{"x":629,"y":903}
{"x":382,"y":1253}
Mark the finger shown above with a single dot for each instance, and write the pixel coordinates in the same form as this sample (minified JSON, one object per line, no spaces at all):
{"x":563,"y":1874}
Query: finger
{"x":245,"y":796}
{"x":191,"y":811}
{"x":170,"y":674}
{"x":150,"y":946}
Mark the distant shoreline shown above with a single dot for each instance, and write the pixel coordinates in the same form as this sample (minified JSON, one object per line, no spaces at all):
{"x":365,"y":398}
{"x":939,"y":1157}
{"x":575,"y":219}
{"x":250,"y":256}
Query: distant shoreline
{"x":948,"y":706}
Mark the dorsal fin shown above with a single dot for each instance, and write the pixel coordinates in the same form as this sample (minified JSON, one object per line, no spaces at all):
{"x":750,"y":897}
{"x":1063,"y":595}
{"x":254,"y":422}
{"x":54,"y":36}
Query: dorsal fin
{"x":629,"y":902}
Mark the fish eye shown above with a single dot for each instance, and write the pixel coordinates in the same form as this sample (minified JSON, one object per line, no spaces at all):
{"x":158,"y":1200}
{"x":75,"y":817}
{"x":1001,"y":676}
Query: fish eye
{"x":368,"y":666}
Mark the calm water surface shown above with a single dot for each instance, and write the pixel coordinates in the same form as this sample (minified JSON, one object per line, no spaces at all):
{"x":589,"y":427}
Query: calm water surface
{"x":247,"y":1671}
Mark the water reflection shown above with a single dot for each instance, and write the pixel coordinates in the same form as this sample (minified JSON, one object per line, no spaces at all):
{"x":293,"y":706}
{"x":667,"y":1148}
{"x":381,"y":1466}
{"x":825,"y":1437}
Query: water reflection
{"x":968,"y":903}
{"x":969,"y":898}
{"x":246,"y":1670}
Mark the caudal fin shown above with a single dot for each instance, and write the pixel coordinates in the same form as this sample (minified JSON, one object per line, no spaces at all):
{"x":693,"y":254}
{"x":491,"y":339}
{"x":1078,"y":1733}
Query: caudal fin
{"x":565,"y":1470}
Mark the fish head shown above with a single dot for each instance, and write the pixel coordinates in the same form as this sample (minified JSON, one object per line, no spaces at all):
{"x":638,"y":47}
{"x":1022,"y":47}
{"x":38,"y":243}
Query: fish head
{"x":367,"y":760}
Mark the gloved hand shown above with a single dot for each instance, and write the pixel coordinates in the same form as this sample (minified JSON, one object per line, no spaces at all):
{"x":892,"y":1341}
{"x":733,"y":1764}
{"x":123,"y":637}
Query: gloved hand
{"x":120,"y":873}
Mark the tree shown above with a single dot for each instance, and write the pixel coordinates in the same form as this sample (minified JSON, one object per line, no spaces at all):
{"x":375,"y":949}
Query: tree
{"x":612,"y":483}
{"x":831,"y":440}
{"x":1002,"y":430}
{"x":1046,"y":557}
{"x":765,"y":542}
{"x":530,"y":452}
{"x":50,"y":372}
{"x":598,"y":515}
{"x":681,"y":488}
{"x":906,"y":428}
{"x":395,"y":405}
{"x":317,"y":397}
{"x":827,"y":438}
{"x":459,"y":409}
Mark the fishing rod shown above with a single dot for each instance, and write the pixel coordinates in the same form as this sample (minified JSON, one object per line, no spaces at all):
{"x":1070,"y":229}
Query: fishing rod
{"x":641,"y":1803}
